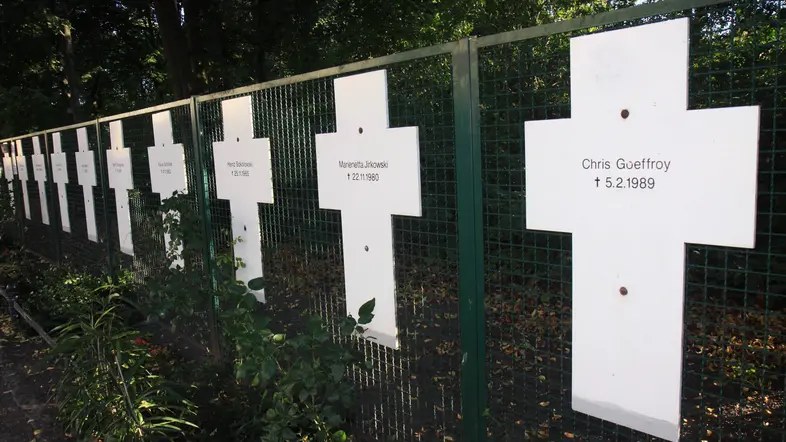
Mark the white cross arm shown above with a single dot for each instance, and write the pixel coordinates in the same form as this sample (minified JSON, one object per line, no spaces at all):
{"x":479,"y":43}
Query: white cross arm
{"x":547,"y":149}
{"x":167,"y":165}
{"x":85,"y":160}
{"x":59,"y":161}
{"x":394,"y":161}
{"x":241,"y":167}
{"x":727,"y":185}
{"x":242,"y":162}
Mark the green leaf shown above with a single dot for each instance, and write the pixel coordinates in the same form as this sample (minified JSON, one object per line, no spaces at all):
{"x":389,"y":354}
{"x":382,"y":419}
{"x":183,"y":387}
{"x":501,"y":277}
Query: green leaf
{"x":267,"y":370}
{"x":288,"y":434}
{"x":250,"y":301}
{"x":257,"y":284}
{"x":339,"y":436}
{"x":337,"y":372}
{"x":366,"y":312}
{"x":237,"y":289}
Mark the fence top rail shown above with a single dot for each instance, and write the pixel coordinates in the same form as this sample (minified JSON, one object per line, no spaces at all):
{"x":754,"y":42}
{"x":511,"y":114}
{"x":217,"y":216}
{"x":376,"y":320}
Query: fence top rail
{"x":429,"y":51}
{"x":22,"y":137}
{"x":601,"y":19}
{"x":147,"y":110}
{"x":157,"y":108}
{"x":605,"y":18}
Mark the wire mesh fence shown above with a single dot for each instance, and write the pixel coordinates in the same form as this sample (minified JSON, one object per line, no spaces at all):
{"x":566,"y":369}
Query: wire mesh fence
{"x":82,"y":246}
{"x":411,"y":393}
{"x":734,"y":331}
{"x":498,"y":368}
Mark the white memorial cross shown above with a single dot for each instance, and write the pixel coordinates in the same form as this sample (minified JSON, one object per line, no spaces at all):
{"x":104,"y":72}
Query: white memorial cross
{"x":121,"y":178}
{"x":244,"y":177}
{"x":369,"y":172}
{"x":60,"y":177}
{"x":86,"y":172}
{"x":634,"y":176}
{"x":167,"y":168}
{"x":39,"y":172}
{"x":9,"y":171}
{"x":21,"y":168}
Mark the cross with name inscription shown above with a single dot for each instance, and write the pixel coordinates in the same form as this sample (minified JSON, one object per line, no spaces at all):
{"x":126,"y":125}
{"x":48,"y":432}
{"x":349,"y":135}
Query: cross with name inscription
{"x":60,"y":177}
{"x":167,"y":170}
{"x":121,"y":178}
{"x":39,"y":172}
{"x":244,"y":177}
{"x":86,"y":174}
{"x":21,"y":168}
{"x":634,"y":176}
{"x":369,"y":172}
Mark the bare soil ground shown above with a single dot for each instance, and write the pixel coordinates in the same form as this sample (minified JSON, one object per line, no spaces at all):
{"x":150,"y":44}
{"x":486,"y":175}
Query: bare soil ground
{"x":26,"y":412}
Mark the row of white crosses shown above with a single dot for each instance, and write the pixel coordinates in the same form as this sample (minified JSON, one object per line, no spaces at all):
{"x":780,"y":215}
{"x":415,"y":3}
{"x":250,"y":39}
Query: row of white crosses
{"x":630,"y":221}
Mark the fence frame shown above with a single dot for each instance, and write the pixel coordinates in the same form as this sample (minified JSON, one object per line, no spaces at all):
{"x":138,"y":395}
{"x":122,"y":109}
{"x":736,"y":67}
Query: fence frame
{"x":467,"y":137}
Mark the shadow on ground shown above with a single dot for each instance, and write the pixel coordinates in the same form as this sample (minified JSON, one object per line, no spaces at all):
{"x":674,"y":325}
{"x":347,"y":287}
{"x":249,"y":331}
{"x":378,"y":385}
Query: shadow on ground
{"x":26,"y":414}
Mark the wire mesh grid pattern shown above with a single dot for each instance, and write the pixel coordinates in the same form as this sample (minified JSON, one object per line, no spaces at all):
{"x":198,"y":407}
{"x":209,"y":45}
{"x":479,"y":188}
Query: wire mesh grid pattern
{"x":39,"y":233}
{"x":76,"y":247}
{"x":8,"y":192}
{"x":411,"y":393}
{"x":149,"y":258}
{"x":735,"y":322}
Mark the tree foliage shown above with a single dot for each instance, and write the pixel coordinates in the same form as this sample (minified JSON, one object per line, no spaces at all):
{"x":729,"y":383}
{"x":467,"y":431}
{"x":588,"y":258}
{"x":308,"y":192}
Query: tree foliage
{"x":69,"y":60}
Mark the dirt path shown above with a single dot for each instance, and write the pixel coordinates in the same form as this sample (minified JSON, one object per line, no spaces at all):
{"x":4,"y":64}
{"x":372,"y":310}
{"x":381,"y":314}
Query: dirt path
{"x":26,"y":414}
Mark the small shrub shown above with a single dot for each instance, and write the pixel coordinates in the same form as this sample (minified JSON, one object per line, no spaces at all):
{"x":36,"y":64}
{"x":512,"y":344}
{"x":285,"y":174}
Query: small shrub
{"x":109,"y":388}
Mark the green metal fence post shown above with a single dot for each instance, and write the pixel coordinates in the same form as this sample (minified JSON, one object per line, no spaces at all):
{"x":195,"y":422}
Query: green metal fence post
{"x":110,"y":255}
{"x":54,"y":218}
{"x":470,"y":230}
{"x":203,"y":202}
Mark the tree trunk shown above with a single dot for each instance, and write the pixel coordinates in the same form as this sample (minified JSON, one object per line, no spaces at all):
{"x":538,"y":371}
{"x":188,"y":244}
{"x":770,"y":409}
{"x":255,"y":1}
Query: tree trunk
{"x":72,"y":79}
{"x":175,"y":47}
{"x":198,"y":19}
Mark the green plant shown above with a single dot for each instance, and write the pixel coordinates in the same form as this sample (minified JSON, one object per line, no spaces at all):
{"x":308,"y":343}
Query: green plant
{"x":298,"y":384}
{"x":289,"y":388}
{"x":109,"y":388}
{"x":178,"y":293}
